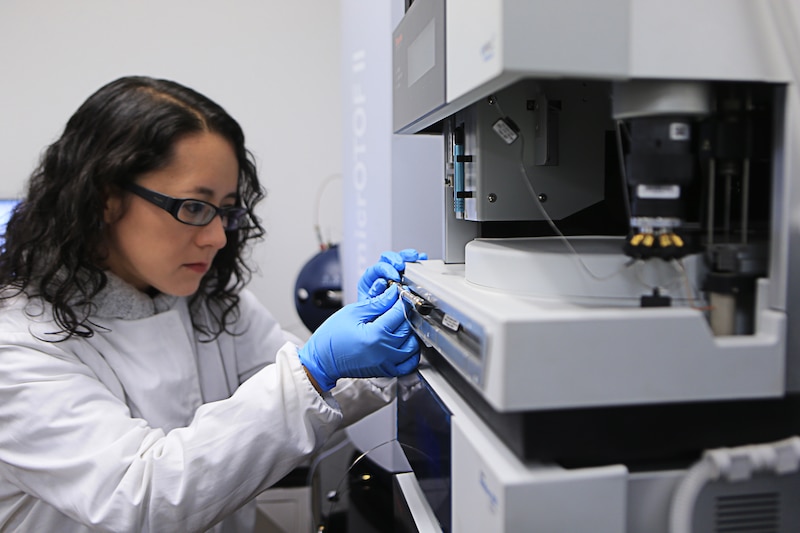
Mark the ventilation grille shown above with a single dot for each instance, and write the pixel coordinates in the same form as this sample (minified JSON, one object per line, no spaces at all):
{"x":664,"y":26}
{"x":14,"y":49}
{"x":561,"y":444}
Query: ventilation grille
{"x":748,"y":513}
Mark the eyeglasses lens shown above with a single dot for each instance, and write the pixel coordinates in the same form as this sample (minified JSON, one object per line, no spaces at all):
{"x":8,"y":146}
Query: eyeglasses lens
{"x":233,"y":218}
{"x":199,"y":213}
{"x":196,"y":213}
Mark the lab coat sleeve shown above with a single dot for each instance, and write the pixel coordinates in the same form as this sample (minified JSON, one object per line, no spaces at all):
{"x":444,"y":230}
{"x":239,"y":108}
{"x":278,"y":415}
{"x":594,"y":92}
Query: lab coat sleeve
{"x":260,"y":338}
{"x":67,"y":440}
{"x":358,"y":398}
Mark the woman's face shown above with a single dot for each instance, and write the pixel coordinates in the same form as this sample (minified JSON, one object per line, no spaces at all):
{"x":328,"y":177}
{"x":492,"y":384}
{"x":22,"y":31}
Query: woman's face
{"x":149,"y":248}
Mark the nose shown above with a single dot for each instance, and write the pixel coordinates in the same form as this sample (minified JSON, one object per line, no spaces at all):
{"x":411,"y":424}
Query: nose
{"x":212,"y":234}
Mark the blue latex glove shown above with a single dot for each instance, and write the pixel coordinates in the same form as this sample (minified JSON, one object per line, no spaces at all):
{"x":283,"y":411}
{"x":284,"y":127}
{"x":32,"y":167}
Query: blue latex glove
{"x":391,"y":264}
{"x":365,"y":339}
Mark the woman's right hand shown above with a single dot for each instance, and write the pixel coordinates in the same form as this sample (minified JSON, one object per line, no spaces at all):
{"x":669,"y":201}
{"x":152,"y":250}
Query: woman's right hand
{"x":390,"y":266}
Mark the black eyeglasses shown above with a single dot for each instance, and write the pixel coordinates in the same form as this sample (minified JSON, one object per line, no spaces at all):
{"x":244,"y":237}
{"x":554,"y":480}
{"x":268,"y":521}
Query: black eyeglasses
{"x":191,"y":211}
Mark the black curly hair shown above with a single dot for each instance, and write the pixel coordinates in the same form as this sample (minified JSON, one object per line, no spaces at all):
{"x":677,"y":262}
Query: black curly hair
{"x":54,"y":240}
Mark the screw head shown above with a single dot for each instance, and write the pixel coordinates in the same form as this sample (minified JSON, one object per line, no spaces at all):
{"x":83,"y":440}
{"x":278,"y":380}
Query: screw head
{"x":492,"y":198}
{"x":542,"y":197}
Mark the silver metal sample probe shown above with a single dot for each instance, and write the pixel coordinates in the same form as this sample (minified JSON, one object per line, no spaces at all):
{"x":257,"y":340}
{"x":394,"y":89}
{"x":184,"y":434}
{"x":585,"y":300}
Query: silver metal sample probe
{"x":422,"y":306}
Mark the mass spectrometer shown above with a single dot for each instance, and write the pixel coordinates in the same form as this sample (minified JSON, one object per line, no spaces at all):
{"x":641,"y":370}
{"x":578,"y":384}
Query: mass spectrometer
{"x":619,"y":253}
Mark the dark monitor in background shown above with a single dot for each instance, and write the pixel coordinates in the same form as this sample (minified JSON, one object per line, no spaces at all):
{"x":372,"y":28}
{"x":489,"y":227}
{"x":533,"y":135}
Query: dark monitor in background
{"x":6,"y":207}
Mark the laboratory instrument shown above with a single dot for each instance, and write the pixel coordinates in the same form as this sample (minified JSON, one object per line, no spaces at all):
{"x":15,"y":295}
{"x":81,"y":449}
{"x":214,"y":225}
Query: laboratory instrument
{"x":611,"y":321}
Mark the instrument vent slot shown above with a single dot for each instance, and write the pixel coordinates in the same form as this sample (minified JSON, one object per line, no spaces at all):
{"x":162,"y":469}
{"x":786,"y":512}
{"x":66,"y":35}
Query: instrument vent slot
{"x":750,"y":513}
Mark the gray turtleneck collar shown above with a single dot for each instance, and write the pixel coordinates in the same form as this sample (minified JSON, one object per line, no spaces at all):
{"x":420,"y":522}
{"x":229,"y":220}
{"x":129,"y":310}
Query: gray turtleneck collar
{"x":118,"y":299}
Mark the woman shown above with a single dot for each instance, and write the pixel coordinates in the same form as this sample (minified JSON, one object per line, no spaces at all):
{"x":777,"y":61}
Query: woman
{"x":141,"y":387}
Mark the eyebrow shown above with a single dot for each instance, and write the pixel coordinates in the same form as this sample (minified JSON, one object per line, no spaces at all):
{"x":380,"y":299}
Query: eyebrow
{"x":205,"y":191}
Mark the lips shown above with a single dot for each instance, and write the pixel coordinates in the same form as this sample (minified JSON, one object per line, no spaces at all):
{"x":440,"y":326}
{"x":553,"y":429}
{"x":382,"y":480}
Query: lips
{"x":197,"y":267}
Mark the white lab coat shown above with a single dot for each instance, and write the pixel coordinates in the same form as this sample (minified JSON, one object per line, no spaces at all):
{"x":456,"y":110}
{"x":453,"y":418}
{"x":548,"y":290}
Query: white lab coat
{"x":144,"y":428}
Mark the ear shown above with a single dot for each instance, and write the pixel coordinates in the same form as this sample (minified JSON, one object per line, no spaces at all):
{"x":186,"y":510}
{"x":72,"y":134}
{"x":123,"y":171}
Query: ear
{"x":113,"y":208}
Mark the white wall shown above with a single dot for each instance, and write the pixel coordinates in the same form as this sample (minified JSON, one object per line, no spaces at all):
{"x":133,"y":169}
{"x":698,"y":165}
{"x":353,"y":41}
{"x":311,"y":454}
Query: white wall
{"x":273,"y":65}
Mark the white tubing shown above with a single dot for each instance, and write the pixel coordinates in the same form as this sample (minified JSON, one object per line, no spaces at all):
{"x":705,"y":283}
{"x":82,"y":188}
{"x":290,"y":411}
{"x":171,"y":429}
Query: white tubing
{"x":685,"y":496}
{"x":733,"y":465}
